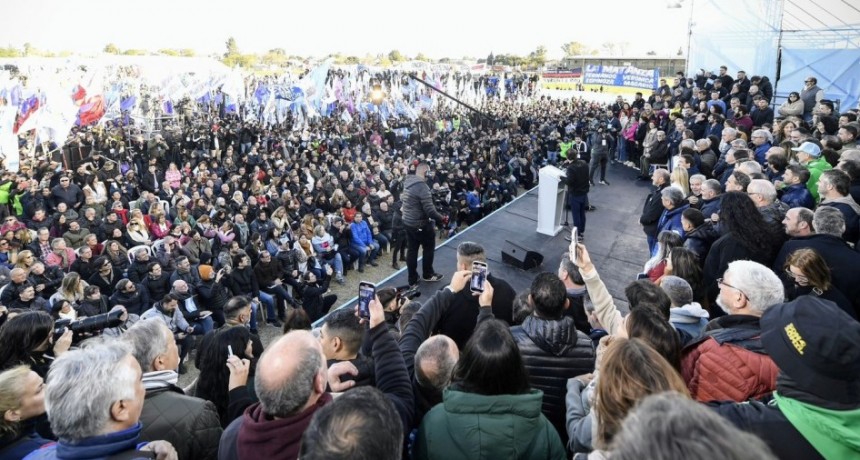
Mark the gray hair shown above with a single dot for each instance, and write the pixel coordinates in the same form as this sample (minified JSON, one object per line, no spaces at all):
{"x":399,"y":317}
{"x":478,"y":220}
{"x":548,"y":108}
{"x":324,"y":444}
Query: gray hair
{"x":699,"y":177}
{"x":763,"y":132}
{"x":703,"y":143}
{"x":731,"y":132}
{"x":435,"y":353}
{"x":55,"y":243}
{"x":288,"y":396}
{"x":749,"y":167}
{"x":668,"y":426}
{"x":739,"y":144}
{"x":674,"y":195}
{"x":828,"y":221}
{"x":762,"y":288}
{"x":764,"y":188}
{"x":678,"y":290}
{"x":148,"y":339}
{"x":83,"y":385}
{"x":712,"y":185}
{"x":687,"y":143}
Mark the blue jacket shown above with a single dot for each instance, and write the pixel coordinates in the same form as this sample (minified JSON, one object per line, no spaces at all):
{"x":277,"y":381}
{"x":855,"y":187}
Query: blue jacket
{"x":798,"y":196}
{"x":474,"y":202}
{"x":671,"y":220}
{"x":93,"y":448}
{"x":761,"y":153}
{"x":361,"y":234}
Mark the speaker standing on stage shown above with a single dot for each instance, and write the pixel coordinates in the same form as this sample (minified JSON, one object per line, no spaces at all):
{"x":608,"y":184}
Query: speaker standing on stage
{"x":577,"y":182}
{"x":418,"y":216}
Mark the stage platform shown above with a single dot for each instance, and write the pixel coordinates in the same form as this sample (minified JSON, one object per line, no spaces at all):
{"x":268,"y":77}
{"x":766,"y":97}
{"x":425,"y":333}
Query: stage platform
{"x":613,"y":237}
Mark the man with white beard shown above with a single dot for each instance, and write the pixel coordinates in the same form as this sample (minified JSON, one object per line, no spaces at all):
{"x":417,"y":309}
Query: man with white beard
{"x":731,"y":343}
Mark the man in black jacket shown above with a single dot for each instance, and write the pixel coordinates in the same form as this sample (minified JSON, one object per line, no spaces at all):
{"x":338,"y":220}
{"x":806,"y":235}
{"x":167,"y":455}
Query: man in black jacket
{"x":190,"y":424}
{"x":459,"y":321}
{"x":340,"y":337}
{"x":653,"y":207}
{"x":578,"y":185}
{"x":418,"y":214}
{"x":552,"y":349}
{"x":131,"y":296}
{"x":814,"y":411}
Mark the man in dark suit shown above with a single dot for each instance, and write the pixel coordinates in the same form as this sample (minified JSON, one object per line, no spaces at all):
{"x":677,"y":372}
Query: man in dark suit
{"x":653,"y":207}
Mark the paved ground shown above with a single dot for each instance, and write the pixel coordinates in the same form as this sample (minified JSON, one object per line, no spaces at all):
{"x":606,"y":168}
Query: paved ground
{"x":614,"y":239}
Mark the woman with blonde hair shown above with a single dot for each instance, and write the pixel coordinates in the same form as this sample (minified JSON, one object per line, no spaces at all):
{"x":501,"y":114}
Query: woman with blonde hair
{"x":24,"y":425}
{"x":25,"y":259}
{"x":137,"y":231}
{"x":71,"y":289}
{"x":811,"y":276}
{"x":681,"y":180}
{"x":280,"y":219}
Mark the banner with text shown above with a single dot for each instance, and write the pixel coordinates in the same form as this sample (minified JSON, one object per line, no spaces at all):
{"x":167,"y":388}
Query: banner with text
{"x":607,"y":75}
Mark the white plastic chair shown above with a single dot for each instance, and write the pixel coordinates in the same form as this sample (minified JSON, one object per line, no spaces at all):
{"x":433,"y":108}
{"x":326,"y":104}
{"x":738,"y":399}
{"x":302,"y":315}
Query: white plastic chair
{"x":133,"y":251}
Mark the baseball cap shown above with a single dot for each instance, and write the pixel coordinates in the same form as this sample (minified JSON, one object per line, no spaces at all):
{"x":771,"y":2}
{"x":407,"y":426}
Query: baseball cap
{"x":808,"y":147}
{"x":816,"y":344}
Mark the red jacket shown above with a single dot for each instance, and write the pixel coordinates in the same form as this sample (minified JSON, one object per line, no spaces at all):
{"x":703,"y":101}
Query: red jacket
{"x":728,"y":363}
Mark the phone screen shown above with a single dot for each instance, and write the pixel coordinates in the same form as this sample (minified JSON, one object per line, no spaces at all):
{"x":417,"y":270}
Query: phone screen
{"x":479,"y":276}
{"x":574,"y":236}
{"x":366,"y":293}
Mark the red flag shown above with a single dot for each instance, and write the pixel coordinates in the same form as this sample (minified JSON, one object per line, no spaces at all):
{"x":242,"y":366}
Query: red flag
{"x":92,"y":111}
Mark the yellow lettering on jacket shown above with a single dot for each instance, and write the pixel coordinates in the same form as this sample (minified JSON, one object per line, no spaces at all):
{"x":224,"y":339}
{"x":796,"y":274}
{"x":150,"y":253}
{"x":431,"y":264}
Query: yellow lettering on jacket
{"x":795,"y":337}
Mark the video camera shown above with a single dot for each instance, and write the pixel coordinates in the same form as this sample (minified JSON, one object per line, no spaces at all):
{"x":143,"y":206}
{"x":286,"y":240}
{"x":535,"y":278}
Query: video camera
{"x":407,"y":293}
{"x":87,"y":326}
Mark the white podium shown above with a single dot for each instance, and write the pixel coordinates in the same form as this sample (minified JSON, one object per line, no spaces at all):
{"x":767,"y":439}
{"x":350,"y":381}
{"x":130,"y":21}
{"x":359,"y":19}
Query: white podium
{"x":550,"y":200}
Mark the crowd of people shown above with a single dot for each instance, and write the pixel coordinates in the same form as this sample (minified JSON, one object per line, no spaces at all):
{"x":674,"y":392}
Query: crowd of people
{"x":741,"y":335}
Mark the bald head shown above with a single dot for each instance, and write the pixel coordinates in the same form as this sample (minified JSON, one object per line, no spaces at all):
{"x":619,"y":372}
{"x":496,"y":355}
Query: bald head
{"x":291,"y":374}
{"x":435,"y":361}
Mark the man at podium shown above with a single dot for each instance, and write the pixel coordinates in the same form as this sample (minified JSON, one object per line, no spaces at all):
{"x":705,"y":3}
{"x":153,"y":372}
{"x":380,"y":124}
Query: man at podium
{"x":577,"y":182}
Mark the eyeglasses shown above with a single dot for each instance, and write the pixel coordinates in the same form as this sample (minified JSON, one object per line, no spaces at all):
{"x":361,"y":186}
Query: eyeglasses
{"x":796,"y":277}
{"x":720,"y":282}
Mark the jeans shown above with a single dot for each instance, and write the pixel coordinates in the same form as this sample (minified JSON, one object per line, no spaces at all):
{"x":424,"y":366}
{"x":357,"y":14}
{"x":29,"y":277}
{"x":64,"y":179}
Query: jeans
{"x":280,"y":295}
{"x":552,"y":157}
{"x":578,"y":204}
{"x":253,"y":322}
{"x":425,"y":237}
{"x":598,"y":159}
{"x":203,"y":325}
{"x":336,"y":263}
{"x":622,"y":150}
{"x":267,"y":299}
{"x":363,"y":256}
{"x":382,"y":239}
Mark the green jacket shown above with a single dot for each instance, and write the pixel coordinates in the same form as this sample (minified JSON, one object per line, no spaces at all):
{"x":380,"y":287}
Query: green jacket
{"x":816,"y":167}
{"x":476,"y":427}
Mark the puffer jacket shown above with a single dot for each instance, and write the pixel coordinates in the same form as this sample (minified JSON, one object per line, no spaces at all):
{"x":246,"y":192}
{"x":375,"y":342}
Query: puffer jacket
{"x":417,"y":203}
{"x":190,"y":424}
{"x":553,"y":351}
{"x":473,"y":426}
{"x":728,"y":363}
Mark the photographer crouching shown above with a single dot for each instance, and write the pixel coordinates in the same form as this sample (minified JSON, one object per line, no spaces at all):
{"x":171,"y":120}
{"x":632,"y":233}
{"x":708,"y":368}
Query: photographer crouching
{"x":418,"y":215}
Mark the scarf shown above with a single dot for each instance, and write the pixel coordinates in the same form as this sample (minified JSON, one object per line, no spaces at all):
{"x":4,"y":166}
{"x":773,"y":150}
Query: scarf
{"x":159,"y":379}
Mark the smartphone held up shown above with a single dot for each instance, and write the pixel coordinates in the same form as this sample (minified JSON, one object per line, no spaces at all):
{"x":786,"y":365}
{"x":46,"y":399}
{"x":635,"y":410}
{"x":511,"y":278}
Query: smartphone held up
{"x":366,"y":294}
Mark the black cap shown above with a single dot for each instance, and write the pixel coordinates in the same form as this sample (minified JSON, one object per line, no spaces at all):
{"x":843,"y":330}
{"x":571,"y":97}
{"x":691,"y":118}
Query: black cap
{"x":816,"y":344}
